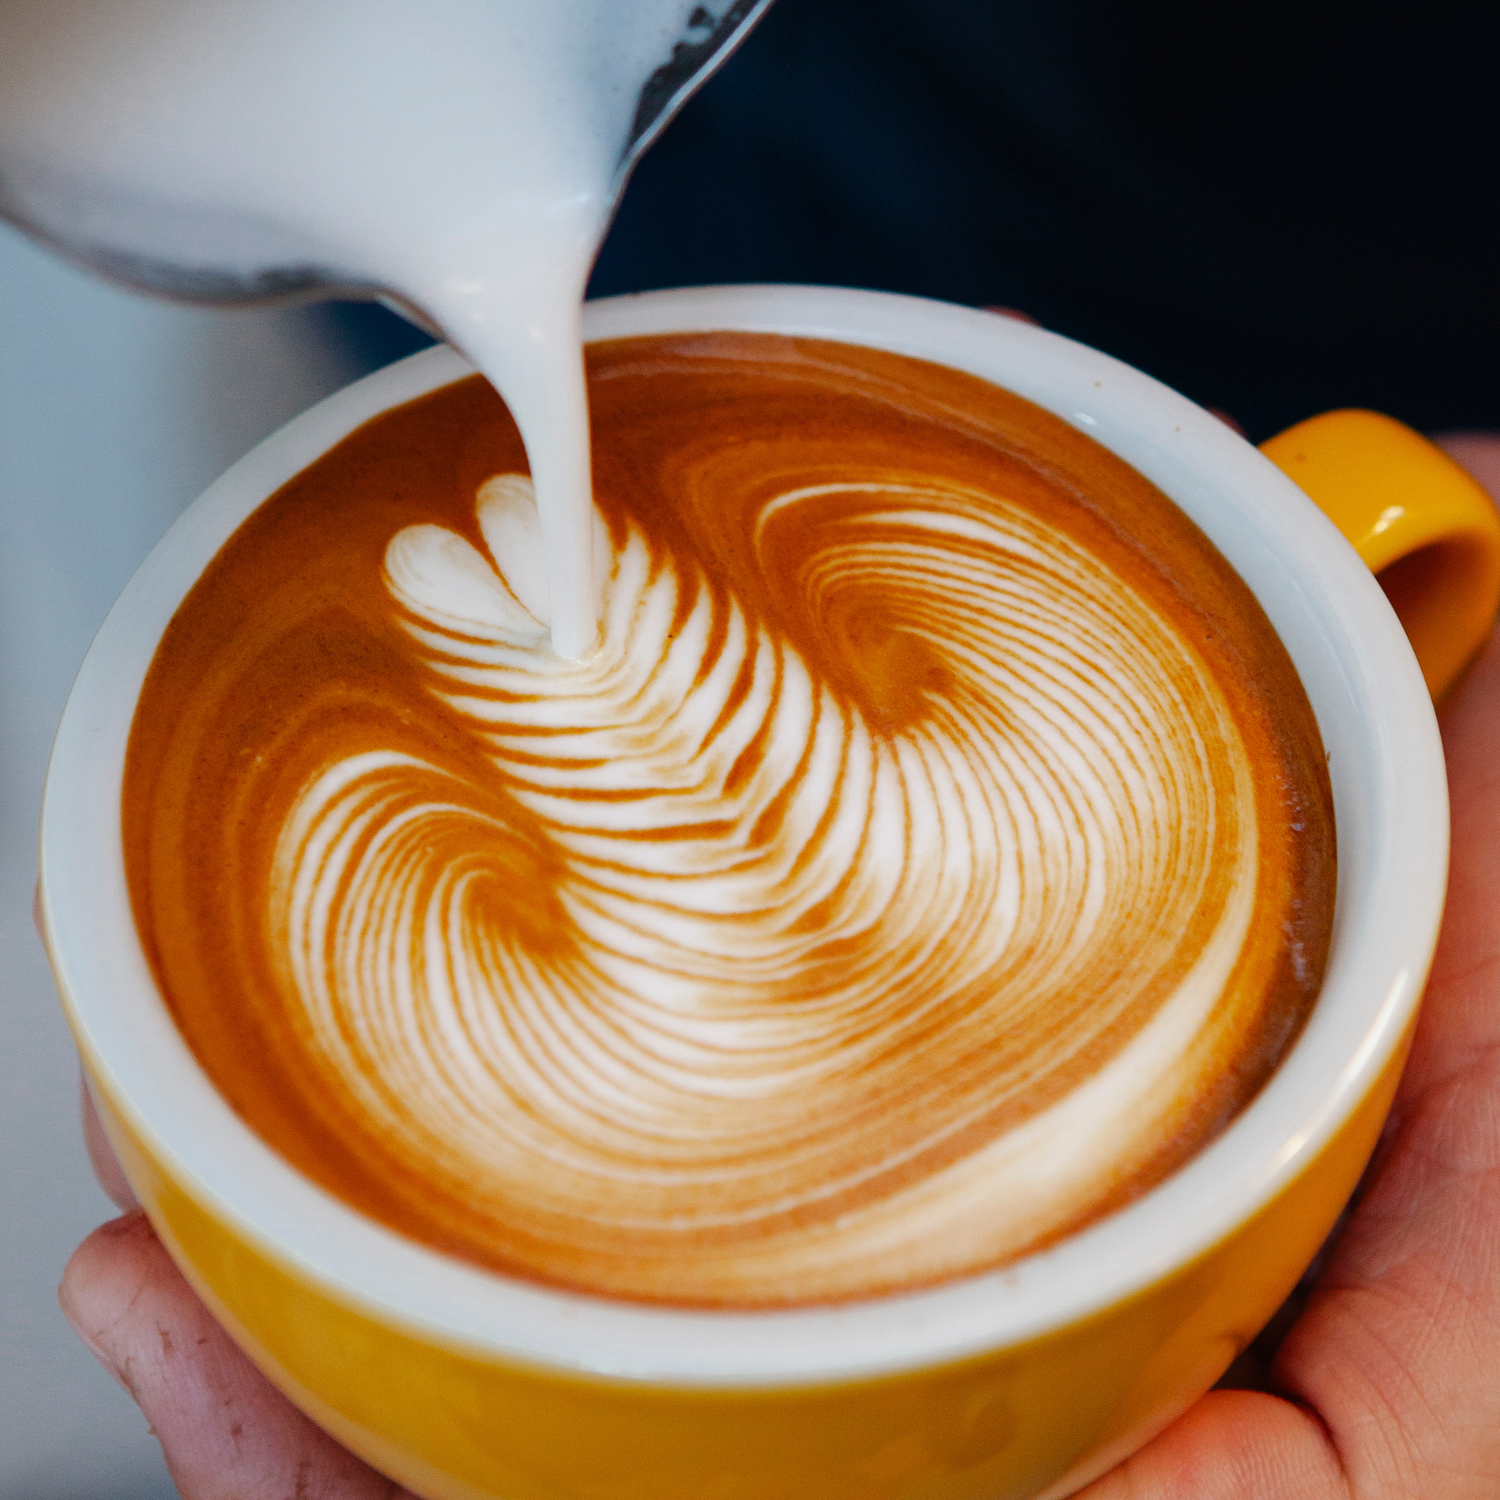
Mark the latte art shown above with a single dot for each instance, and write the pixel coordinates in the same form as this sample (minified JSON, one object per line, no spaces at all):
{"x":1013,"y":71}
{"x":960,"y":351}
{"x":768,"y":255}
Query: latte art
{"x":901,"y":885}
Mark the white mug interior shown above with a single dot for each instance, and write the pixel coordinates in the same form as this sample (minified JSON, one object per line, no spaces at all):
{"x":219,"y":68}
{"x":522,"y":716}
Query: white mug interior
{"x":1390,"y":797}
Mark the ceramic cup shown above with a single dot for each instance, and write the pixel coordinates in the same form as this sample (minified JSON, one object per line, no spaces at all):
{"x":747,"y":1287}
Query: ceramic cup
{"x":1021,"y":1382}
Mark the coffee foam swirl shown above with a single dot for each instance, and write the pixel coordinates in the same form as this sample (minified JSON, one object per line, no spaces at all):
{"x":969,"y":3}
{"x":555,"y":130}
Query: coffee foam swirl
{"x":772,"y":919}
{"x":935,"y":852}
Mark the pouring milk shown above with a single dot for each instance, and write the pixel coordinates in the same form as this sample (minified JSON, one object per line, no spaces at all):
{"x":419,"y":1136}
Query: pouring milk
{"x":463,"y":155}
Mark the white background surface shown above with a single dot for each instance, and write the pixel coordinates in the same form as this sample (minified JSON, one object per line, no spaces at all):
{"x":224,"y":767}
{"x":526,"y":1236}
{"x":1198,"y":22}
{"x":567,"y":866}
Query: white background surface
{"x":115,"y":411}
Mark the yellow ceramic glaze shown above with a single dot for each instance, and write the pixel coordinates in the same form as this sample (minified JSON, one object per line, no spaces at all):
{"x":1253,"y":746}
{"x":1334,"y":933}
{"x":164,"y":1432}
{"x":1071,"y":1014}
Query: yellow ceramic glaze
{"x":1421,"y":524}
{"x":455,"y":1425}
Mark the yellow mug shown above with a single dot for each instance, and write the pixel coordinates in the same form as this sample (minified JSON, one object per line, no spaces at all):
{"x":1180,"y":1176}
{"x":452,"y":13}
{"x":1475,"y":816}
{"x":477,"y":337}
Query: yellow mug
{"x":1022,"y":1382}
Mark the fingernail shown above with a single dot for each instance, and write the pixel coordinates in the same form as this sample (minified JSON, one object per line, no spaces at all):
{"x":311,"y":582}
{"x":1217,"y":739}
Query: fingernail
{"x":77,"y":1322}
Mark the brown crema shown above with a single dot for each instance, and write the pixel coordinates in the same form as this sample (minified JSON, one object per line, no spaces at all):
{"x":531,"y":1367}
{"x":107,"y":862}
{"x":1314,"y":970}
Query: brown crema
{"x":937,"y":852}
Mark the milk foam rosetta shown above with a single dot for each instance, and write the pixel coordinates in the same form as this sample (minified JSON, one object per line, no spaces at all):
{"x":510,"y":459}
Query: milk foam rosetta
{"x":906,"y":880}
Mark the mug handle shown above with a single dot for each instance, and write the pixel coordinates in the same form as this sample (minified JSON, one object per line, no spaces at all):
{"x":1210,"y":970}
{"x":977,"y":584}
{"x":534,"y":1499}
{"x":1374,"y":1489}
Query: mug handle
{"x":1424,"y":527}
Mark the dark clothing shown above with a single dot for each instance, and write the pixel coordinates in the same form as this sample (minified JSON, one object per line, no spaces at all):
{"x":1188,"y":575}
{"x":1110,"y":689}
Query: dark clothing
{"x":1276,"y":207}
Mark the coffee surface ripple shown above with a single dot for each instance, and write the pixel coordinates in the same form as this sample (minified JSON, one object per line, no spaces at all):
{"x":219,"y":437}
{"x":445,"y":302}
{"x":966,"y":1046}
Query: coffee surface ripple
{"x":900,"y":885}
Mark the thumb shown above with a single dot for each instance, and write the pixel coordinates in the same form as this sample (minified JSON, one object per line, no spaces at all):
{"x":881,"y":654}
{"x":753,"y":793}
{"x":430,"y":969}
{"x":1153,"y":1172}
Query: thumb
{"x":225,"y":1430}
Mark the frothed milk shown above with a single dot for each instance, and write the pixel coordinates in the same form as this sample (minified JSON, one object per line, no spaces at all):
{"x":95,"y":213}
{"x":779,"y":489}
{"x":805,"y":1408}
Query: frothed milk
{"x":936,"y":852}
{"x":462,"y":154}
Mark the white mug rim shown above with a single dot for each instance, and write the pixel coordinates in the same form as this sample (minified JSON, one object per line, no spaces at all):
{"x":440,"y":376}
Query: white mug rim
{"x":1391,"y":798}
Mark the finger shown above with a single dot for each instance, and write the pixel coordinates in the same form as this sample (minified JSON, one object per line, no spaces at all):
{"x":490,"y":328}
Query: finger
{"x":1393,"y":1363}
{"x":227,"y":1434}
{"x":1461,"y":1016}
{"x":107,"y":1169}
{"x":1233,"y":1445}
{"x":1399,"y":1347}
{"x":1479,"y":453}
{"x":1013,"y":313}
{"x":1231,"y":422}
{"x":106,"y":1165}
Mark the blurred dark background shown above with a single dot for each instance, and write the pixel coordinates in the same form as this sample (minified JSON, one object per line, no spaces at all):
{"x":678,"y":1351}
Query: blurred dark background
{"x":1277,"y":208}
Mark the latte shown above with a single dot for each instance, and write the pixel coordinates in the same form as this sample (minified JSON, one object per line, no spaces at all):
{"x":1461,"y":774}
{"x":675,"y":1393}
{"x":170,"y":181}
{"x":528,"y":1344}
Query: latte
{"x":936,"y":853}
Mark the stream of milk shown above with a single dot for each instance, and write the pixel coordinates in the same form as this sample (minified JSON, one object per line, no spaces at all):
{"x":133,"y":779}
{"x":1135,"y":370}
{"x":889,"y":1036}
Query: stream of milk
{"x":462,"y":154}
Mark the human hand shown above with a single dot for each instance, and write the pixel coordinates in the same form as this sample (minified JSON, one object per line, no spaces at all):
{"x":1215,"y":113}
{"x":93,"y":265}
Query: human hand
{"x":1388,"y":1383}
{"x":226,"y":1432}
{"x":1389,"y":1379}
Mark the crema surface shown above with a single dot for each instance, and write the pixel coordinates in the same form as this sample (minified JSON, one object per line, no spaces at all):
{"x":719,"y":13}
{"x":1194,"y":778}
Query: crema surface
{"x":936,"y":853}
